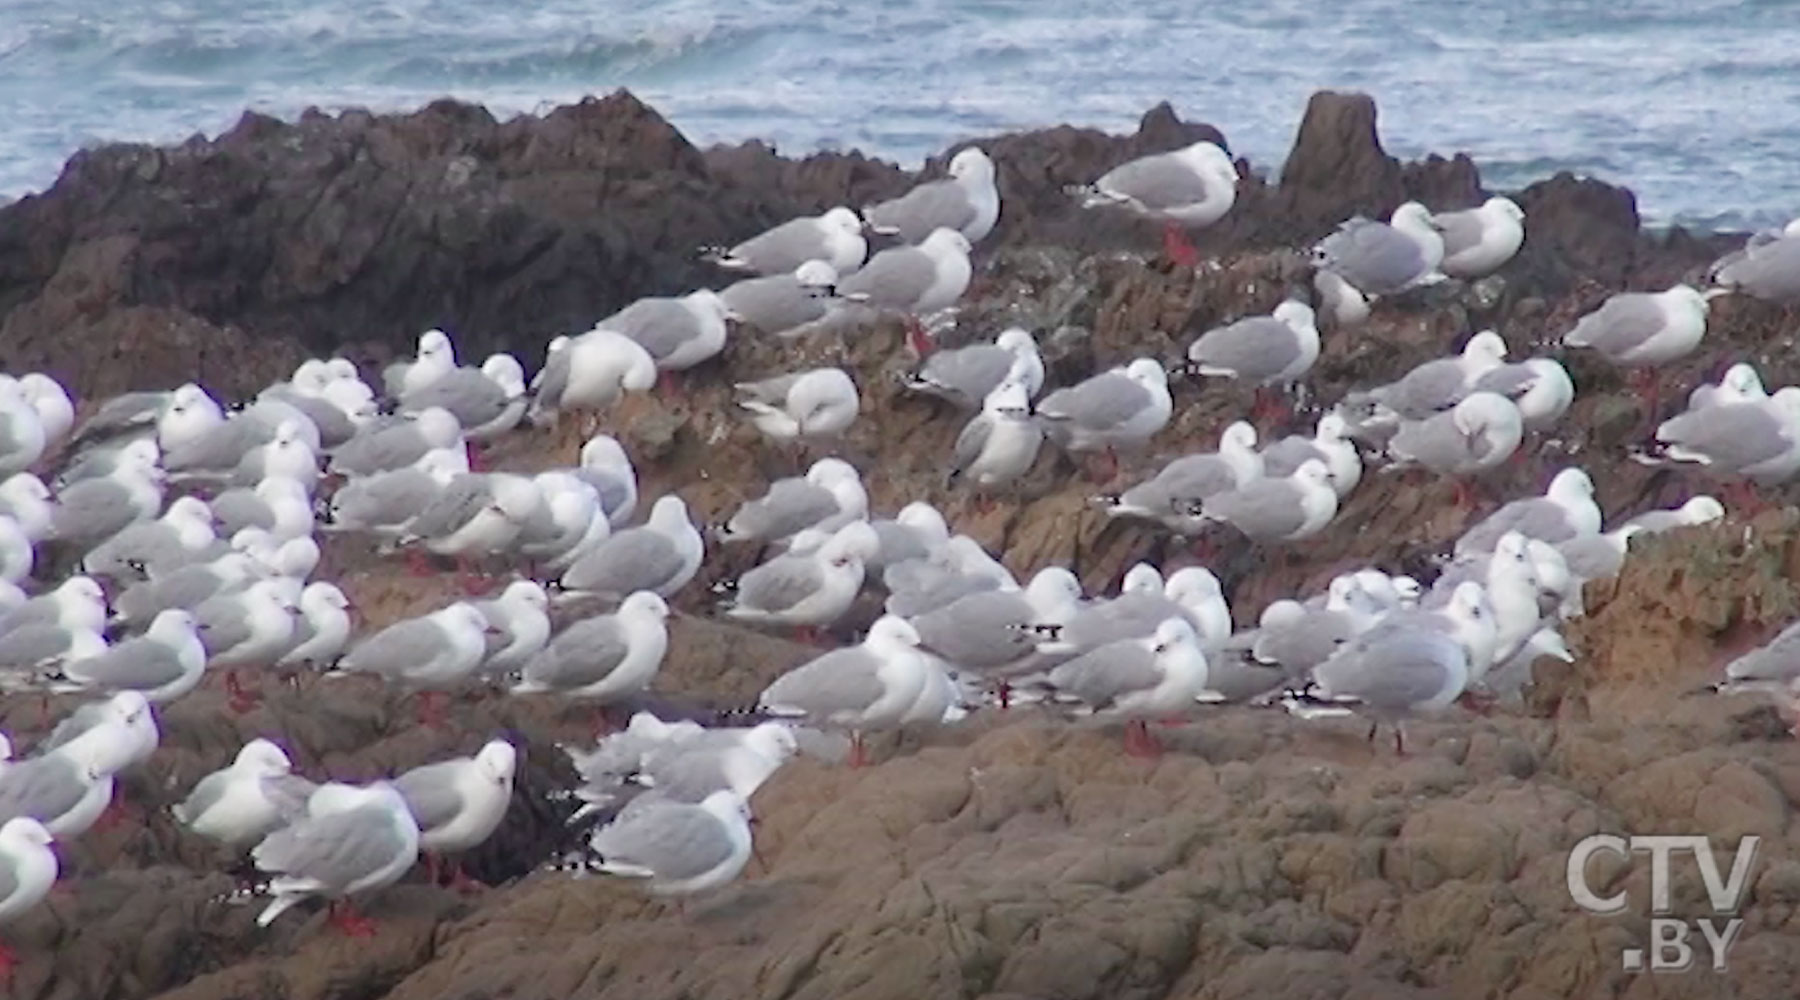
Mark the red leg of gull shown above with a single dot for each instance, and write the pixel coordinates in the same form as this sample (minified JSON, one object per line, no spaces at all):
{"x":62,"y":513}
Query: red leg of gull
{"x":239,"y":700}
{"x":477,"y":457}
{"x":433,"y":869}
{"x":665,"y":385}
{"x":1107,"y":471}
{"x":1647,"y":383}
{"x":8,"y":961}
{"x":416,"y":563}
{"x":344,"y":917}
{"x":1399,"y":740}
{"x":473,"y":583}
{"x":859,"y":754}
{"x":1464,"y":494}
{"x":917,"y":338}
{"x":431,"y":708}
{"x":1003,"y":692}
{"x":460,"y":882}
{"x":808,"y":635}
{"x":1139,"y":742}
{"x":1177,"y":247}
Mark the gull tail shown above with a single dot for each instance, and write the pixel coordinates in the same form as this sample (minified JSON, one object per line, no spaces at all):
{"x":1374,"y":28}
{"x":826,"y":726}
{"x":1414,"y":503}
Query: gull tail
{"x":722,"y":257}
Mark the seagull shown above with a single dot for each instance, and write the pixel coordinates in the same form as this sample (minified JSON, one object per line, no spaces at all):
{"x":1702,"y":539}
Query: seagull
{"x":459,"y":803}
{"x":834,"y":239}
{"x":1190,"y":187}
{"x":1479,"y":241}
{"x":351,"y":841}
{"x":966,"y":202}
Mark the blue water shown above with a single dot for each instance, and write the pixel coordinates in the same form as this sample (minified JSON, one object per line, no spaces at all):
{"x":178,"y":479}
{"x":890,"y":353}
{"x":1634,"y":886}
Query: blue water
{"x":1693,"y":104}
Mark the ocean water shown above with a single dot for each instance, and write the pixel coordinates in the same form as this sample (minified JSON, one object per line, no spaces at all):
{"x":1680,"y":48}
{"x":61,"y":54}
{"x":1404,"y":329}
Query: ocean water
{"x":1694,"y":104}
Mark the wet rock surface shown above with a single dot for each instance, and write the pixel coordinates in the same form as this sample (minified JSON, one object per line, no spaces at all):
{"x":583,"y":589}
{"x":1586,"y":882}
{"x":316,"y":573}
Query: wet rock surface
{"x":1015,"y":855}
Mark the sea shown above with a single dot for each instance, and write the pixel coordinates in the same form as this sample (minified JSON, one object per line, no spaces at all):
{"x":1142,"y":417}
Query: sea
{"x":1694,"y":104}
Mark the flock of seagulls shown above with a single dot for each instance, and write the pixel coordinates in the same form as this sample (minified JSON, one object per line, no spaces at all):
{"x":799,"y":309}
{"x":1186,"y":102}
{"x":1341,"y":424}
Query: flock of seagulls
{"x":169,"y":537}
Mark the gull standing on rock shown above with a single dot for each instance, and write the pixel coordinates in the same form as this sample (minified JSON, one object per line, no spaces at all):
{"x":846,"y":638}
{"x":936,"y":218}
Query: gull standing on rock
{"x":1696,"y":510}
{"x":606,"y":657}
{"x":1412,"y":662}
{"x":322,"y":630}
{"x":180,"y":536}
{"x":434,"y":358}
{"x":16,"y":553}
{"x":829,"y":496}
{"x":679,"y":333}
{"x":55,"y":410}
{"x":76,"y":603}
{"x":1439,"y":384}
{"x":991,"y":630}
{"x":1757,"y":439}
{"x":386,"y":502}
{"x":1478,"y":433}
{"x":1329,"y":443}
{"x":1161,"y":677}
{"x":351,"y":841}
{"x":677,"y":848}
{"x":1644,"y":331}
{"x":1479,"y":241}
{"x":860,"y":688}
{"x":398,"y":444}
{"x":834,"y":239}
{"x":163,"y":664}
{"x":459,"y":803}
{"x":476,"y":515}
{"x":660,"y":555}
{"x":1192,"y":187}
{"x":999,"y":444}
{"x":786,"y":305}
{"x":1174,"y":496}
{"x":185,"y":587}
{"x":804,"y":405}
{"x":915,"y":281}
{"x":1384,"y":258}
{"x":432,"y":652}
{"x":589,"y":372}
{"x":1566,"y":510}
{"x":94,"y":510}
{"x":28,"y":871}
{"x":287,"y":455}
{"x":967,"y":202}
{"x":278,"y":505}
{"x":1539,"y":387}
{"x":22,"y":437}
{"x":809,"y":590}
{"x":1277,"y":349}
{"x":241,"y":803}
{"x":518,"y":626}
{"x":1278,"y":510}
{"x":25,"y":499}
{"x":966,"y":376}
{"x":1767,"y":269}
{"x":488,"y":400}
{"x":1121,"y":407}
{"x":606,"y":467}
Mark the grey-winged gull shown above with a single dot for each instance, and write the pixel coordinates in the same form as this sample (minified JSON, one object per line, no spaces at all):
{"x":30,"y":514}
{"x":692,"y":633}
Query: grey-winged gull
{"x":279,"y":505}
{"x":28,"y":870}
{"x":286,"y":455}
{"x":1189,"y":187}
{"x":589,"y":372}
{"x":476,"y":515}
{"x":811,"y":589}
{"x":914,"y":533}
{"x":1539,"y":387}
{"x":77,"y":602}
{"x":1757,"y":439}
{"x":1566,"y":510}
{"x":988,"y":631}
{"x":1383,"y":258}
{"x":163,"y":663}
{"x":16,"y":553}
{"x":860,"y":688}
{"x":802,"y":405}
{"x":457,"y":804}
{"x":431,"y":652}
{"x":1118,"y":408}
{"x":967,"y":202}
{"x":1479,"y":241}
{"x":834,"y":238}
{"x":1643,"y":331}
{"x":479,"y":398}
{"x":22,"y":437}
{"x":1338,"y":300}
{"x":433,"y":358}
{"x":605,"y":657}
{"x":322,"y":630}
{"x":786,"y":305}
{"x":1435,"y":386}
{"x":239,"y":803}
{"x":351,"y":841}
{"x":830,"y":495}
{"x":1161,"y":677}
{"x":183,"y":534}
{"x":387,"y":501}
{"x":1768,"y":268}
{"x":1739,"y":383}
{"x":44,"y":646}
{"x":679,"y":333}
{"x":966,"y":376}
{"x":397,"y":444}
{"x":70,"y":782}
{"x":606,"y":467}
{"x":519,"y":623}
{"x":1480,"y":432}
{"x":1329,"y":443}
{"x":661,"y":555}
{"x":1278,"y":509}
{"x":1276,"y":349}
{"x":96,"y":509}
{"x":999,"y":444}
{"x":1695,"y":510}
{"x":1415,"y":661}
{"x":25,"y":499}
{"x":915,"y":281}
{"x":1175,"y":494}
{"x":677,"y":848}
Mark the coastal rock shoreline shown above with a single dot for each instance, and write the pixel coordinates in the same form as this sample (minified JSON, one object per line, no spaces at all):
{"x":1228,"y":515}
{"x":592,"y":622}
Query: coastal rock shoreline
{"x":1014,"y":856}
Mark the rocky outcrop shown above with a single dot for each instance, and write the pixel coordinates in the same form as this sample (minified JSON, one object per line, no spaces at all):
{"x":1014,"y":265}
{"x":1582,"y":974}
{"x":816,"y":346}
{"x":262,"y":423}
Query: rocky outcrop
{"x":1016,"y":855}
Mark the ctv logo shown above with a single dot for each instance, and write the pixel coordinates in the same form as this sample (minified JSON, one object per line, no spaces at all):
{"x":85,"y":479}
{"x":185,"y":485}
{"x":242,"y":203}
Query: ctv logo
{"x":1670,"y":947}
